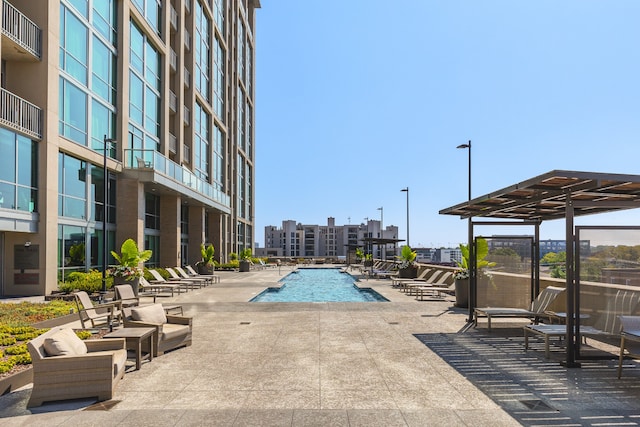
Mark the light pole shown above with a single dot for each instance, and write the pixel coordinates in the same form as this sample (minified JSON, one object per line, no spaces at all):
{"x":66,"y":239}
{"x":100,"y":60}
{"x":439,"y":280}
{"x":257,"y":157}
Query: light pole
{"x":107,"y":145}
{"x":382,"y":252}
{"x":407,"y":191}
{"x":472,"y":259}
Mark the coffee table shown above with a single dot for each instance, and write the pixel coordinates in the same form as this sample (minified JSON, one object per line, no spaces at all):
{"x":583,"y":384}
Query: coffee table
{"x":134,"y":338}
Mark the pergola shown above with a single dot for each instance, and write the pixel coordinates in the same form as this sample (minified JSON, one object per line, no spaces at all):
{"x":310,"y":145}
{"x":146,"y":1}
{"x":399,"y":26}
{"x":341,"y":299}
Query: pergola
{"x":553,"y":195}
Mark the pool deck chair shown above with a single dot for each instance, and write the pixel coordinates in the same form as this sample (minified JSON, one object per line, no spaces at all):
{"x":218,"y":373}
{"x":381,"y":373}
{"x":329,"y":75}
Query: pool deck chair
{"x":191,"y":272}
{"x":629,"y":339}
{"x":537,"y":310}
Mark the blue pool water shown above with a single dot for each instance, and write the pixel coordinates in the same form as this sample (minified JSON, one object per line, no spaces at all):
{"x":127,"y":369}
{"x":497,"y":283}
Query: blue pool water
{"x":318,"y":285}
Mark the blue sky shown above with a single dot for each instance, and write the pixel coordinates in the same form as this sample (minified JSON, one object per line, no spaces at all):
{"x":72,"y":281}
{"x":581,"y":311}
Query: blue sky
{"x":356,"y":100}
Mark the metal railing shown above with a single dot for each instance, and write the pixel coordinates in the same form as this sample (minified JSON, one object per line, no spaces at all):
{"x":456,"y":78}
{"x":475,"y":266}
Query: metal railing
{"x":20,"y":114}
{"x":151,"y":159}
{"x":21,"y":29}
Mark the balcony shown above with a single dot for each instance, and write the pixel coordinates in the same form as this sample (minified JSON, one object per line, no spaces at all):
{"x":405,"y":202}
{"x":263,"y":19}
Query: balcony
{"x":20,"y":114}
{"x":173,"y":144}
{"x":172,"y":176}
{"x":173,"y":102}
{"x":25,"y":37}
{"x":187,"y":115}
{"x":187,"y":78}
{"x":187,"y":40}
{"x":173,"y":61}
{"x":174,"y":19}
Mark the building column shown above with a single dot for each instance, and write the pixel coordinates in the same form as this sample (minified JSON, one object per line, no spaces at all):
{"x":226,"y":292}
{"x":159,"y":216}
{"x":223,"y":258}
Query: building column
{"x":130,"y":212}
{"x":170,"y":230}
{"x":196,"y":233}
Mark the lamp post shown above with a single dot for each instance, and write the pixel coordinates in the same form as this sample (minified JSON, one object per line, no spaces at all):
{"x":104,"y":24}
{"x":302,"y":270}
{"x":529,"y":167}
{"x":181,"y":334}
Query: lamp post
{"x":107,"y":145}
{"x":472,"y":259}
{"x":407,"y":191}
{"x":384,"y":247}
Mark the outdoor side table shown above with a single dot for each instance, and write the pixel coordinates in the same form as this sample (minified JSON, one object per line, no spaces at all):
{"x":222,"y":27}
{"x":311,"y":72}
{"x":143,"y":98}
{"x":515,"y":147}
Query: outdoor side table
{"x":134,"y":338}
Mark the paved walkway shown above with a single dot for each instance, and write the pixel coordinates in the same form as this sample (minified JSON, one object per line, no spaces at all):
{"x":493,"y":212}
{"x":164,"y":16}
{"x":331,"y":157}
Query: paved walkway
{"x":290,"y":364}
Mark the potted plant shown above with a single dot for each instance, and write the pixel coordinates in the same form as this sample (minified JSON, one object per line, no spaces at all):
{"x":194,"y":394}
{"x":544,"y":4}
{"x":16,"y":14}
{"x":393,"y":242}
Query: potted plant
{"x":128,"y":269}
{"x":368,"y":260}
{"x":408,"y":267}
{"x":245,"y":259}
{"x":206,"y":264}
{"x":462,"y":275}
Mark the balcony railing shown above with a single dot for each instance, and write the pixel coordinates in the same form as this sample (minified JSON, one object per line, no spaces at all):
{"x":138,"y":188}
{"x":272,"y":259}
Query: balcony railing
{"x":151,"y":159}
{"x":173,"y":143}
{"x":21,"y":29}
{"x":20,"y":114}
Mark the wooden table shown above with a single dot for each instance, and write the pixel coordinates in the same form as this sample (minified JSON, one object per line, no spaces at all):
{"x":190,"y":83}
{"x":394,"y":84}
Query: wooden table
{"x":134,"y":338}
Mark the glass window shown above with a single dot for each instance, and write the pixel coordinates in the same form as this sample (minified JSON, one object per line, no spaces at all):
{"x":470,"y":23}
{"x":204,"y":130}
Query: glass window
{"x":136,"y":98}
{"x":219,"y":11}
{"x":152,"y":242}
{"x":218,"y":80}
{"x":103,"y":71}
{"x":104,"y":19}
{"x":203,"y":52}
{"x":102,"y":123}
{"x":73,"y":45}
{"x":72,"y":187}
{"x":201,"y":143}
{"x":218,"y":155}
{"x":81,"y":6}
{"x":152,"y":212}
{"x":73,"y":112}
{"x":8,"y":157}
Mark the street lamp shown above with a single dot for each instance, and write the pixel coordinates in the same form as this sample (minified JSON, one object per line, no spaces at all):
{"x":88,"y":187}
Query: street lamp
{"x":107,"y":145}
{"x":384,"y":247}
{"x":472,"y":288}
{"x":407,"y":191}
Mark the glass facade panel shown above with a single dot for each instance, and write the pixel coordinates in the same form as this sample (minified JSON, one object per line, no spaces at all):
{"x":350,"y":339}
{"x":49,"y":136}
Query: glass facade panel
{"x":203,"y":52}
{"x":152,"y":212}
{"x":72,"y":186}
{"x":73,"y":112}
{"x":103,"y":71}
{"x":73,"y":45}
{"x":104,"y":19}
{"x":18,"y":172}
{"x":218,"y":157}
{"x":201,"y":142}
{"x":218,"y":80}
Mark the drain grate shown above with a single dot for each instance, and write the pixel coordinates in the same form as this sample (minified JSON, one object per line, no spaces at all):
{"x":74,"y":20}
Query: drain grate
{"x":245,"y":323}
{"x":102,"y":406}
{"x":394,"y":323}
{"x":536,"y":405}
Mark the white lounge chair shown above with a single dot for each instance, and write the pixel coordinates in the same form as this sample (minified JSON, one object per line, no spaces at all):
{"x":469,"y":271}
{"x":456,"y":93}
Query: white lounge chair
{"x":535,"y":312}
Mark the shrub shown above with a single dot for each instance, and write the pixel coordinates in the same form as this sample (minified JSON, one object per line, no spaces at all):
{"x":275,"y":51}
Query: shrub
{"x":83,"y":335}
{"x":6,"y":365}
{"x":84,"y":281}
{"x":16,"y":349}
{"x":6,"y":339}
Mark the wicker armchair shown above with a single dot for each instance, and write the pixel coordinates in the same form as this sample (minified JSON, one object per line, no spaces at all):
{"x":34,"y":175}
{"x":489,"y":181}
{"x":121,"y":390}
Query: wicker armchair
{"x":62,"y":370}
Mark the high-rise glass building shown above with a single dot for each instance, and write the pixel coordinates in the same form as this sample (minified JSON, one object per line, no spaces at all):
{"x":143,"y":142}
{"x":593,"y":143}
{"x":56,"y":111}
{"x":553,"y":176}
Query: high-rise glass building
{"x":161,"y":93}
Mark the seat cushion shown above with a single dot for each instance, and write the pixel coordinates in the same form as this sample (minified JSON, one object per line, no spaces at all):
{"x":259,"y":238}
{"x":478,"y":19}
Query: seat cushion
{"x":171,"y":331}
{"x":64,"y":342}
{"x":153,"y":313}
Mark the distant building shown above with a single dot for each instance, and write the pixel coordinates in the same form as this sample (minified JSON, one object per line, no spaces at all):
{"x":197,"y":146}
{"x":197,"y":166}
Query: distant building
{"x":331,"y":240}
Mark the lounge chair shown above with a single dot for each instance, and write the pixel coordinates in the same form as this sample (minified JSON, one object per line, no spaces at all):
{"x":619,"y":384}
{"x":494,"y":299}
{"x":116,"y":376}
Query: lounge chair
{"x":159,"y":280}
{"x":424,"y":274}
{"x":96,"y":314}
{"x":192,"y":282}
{"x":206,"y":279}
{"x":629,"y":335}
{"x":191,"y":272}
{"x":126,"y":296}
{"x":65,"y":367}
{"x":444,"y":284}
{"x":405,"y":285}
{"x":607,"y":326}
{"x":158,"y":288}
{"x":535,"y":312}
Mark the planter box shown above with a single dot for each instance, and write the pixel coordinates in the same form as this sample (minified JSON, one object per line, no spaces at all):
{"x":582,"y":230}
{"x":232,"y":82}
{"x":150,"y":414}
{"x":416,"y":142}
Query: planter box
{"x":408,"y":273}
{"x":15,"y":381}
{"x":245,"y":266}
{"x":462,"y":293}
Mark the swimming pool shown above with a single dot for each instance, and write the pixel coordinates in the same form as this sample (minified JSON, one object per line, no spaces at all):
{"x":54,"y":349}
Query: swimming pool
{"x":318,"y":285}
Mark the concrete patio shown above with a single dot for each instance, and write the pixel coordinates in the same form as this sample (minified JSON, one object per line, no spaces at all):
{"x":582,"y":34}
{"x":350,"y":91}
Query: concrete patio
{"x":308,"y":364}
